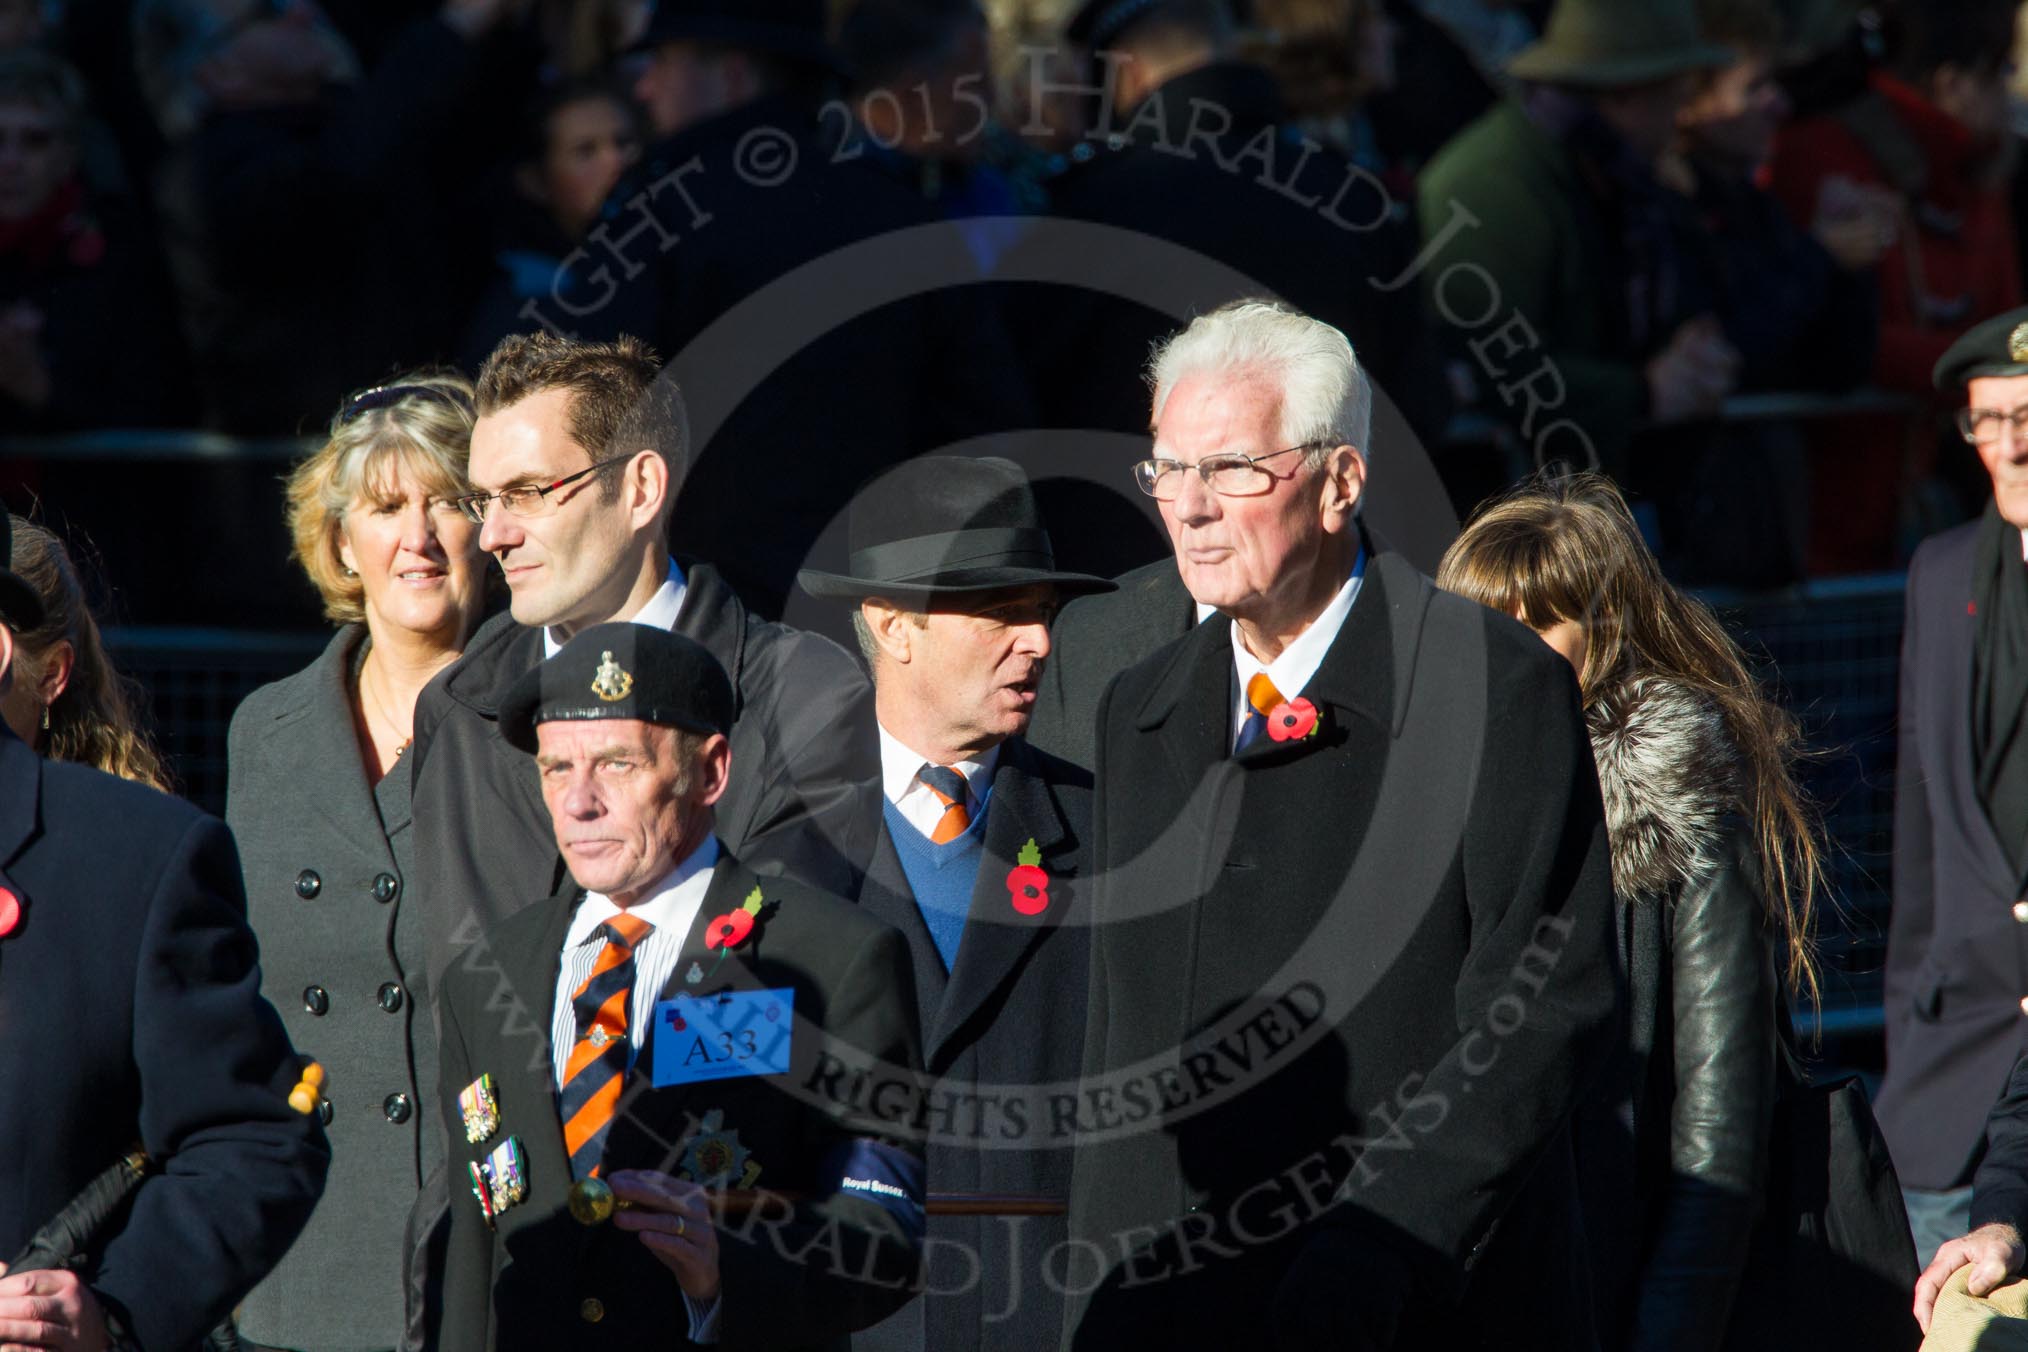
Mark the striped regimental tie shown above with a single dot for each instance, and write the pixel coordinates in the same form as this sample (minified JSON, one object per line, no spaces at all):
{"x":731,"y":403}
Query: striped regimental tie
{"x":951,"y":790}
{"x":1261,"y":699}
{"x":598,"y":1063}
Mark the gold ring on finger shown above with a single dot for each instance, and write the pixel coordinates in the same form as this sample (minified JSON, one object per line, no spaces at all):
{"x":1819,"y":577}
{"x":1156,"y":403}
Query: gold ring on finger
{"x":679,"y":1227}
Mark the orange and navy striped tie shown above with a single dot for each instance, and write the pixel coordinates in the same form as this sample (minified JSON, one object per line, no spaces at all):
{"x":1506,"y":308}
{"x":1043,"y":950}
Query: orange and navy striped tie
{"x":950,"y":788}
{"x":1261,"y":700}
{"x":598,"y":1063}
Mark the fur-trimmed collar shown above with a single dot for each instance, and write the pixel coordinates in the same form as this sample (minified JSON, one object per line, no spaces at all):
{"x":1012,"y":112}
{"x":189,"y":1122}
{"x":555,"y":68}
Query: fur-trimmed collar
{"x":1669,"y":772}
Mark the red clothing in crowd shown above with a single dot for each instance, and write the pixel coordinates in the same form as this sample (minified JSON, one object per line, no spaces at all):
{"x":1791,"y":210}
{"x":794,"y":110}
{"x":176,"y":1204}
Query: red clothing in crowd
{"x":1954,"y":264}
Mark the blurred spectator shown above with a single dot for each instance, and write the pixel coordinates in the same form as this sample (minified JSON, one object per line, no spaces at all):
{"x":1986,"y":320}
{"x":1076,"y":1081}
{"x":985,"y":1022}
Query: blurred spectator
{"x":1930,"y":125}
{"x":21,"y":25}
{"x":583,"y":38}
{"x":1377,"y":80}
{"x":1601,"y":323}
{"x":1800,"y":309}
{"x":286,"y":156}
{"x":1493,"y":31}
{"x":87,"y":335}
{"x":1796,"y":302}
{"x":922,"y":92}
{"x":68,"y":702}
{"x":1198,"y":150}
{"x":581,"y":137}
{"x":796,"y":397}
{"x":1439,"y":88}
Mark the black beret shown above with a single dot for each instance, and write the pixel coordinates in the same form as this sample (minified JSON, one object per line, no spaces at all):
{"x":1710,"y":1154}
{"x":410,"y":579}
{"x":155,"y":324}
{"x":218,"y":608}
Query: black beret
{"x":632,"y":671}
{"x":1998,"y":347}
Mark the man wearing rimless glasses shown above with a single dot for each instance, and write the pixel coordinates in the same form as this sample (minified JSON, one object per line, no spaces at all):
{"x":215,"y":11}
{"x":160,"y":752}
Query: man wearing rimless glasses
{"x":577,"y":455}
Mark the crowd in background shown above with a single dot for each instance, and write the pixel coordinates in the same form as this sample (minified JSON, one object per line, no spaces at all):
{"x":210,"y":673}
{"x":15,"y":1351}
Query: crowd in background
{"x":226,"y":213}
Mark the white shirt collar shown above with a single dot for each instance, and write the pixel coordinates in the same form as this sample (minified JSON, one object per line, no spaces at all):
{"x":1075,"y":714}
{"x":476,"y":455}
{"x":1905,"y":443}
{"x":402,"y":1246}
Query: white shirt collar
{"x":898,"y":767}
{"x":675,"y":903}
{"x":660,"y":609}
{"x":1298,"y":662}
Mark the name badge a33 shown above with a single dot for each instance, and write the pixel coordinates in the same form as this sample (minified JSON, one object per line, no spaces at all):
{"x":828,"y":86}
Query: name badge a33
{"x":723,"y":1037}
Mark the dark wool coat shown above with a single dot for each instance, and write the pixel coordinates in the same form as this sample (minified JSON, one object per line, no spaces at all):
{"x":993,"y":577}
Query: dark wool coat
{"x":1346,"y":991}
{"x":1005,"y":1024}
{"x":542,"y":1281}
{"x":130,"y":1010}
{"x":1094,"y":639}
{"x":1956,"y":943}
{"x":326,"y":860}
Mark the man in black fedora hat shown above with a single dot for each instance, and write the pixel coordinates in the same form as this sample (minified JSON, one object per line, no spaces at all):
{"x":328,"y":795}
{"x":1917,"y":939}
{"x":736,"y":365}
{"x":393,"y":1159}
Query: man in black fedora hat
{"x":982,"y":864}
{"x":130,"y":1011}
{"x":662,"y":1040}
{"x":751,"y":177}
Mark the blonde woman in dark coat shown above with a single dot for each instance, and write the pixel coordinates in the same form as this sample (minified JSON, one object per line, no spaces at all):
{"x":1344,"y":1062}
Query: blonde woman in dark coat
{"x":318,"y":798}
{"x":1715,"y":860}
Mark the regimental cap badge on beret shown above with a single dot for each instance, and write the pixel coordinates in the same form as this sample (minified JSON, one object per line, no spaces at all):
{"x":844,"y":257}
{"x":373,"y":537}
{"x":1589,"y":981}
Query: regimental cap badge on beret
{"x":1995,"y":347}
{"x":611,"y":682}
{"x":621,"y":671}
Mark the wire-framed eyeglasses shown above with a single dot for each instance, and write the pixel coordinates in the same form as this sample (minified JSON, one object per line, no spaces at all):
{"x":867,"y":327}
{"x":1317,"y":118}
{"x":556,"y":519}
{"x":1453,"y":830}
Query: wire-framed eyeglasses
{"x":528,"y":499}
{"x":1232,"y":476}
{"x":1981,"y":426}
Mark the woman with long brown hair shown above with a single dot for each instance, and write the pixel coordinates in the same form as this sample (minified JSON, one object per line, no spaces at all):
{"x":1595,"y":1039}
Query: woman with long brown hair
{"x":68,"y":702}
{"x":1717,"y":860}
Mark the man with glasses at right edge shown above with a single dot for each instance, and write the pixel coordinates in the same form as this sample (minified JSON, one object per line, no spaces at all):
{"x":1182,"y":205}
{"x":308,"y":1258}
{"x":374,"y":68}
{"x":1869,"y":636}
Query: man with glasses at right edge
{"x":1956,"y":1002}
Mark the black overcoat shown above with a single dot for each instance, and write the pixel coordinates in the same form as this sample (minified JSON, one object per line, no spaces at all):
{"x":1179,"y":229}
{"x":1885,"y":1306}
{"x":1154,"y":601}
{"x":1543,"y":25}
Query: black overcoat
{"x":1094,"y":639}
{"x":1005,"y":1024}
{"x":130,"y":1010}
{"x":1345,"y":993}
{"x":1957,"y":948}
{"x":786,"y":1280}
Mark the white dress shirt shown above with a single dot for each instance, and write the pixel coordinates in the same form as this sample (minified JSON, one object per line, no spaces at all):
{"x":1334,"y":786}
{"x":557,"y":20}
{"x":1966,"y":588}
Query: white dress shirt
{"x":672,"y":911}
{"x":918,"y":806}
{"x":1299,"y":661}
{"x":660,"y":610}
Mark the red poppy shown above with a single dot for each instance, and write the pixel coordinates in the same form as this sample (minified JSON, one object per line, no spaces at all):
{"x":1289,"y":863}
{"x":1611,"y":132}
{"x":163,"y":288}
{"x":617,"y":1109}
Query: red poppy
{"x":1030,"y":886}
{"x":729,"y":930}
{"x":1292,"y":721}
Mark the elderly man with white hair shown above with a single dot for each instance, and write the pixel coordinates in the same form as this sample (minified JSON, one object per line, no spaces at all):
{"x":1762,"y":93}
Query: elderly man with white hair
{"x":1352,"y":924}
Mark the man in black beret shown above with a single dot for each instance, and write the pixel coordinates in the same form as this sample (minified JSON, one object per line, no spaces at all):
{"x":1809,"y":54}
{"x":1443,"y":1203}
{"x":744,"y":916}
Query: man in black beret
{"x":673,"y":1032}
{"x":1958,"y":934}
{"x":982,"y":861}
{"x":130,"y":1011}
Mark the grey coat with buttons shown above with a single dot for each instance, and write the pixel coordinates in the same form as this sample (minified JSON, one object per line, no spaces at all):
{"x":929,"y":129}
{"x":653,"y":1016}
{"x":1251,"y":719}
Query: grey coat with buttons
{"x":325,"y":854}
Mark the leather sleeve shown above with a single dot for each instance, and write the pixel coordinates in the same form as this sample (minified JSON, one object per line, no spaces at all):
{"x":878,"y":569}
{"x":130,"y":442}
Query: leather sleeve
{"x":1723,"y":980}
